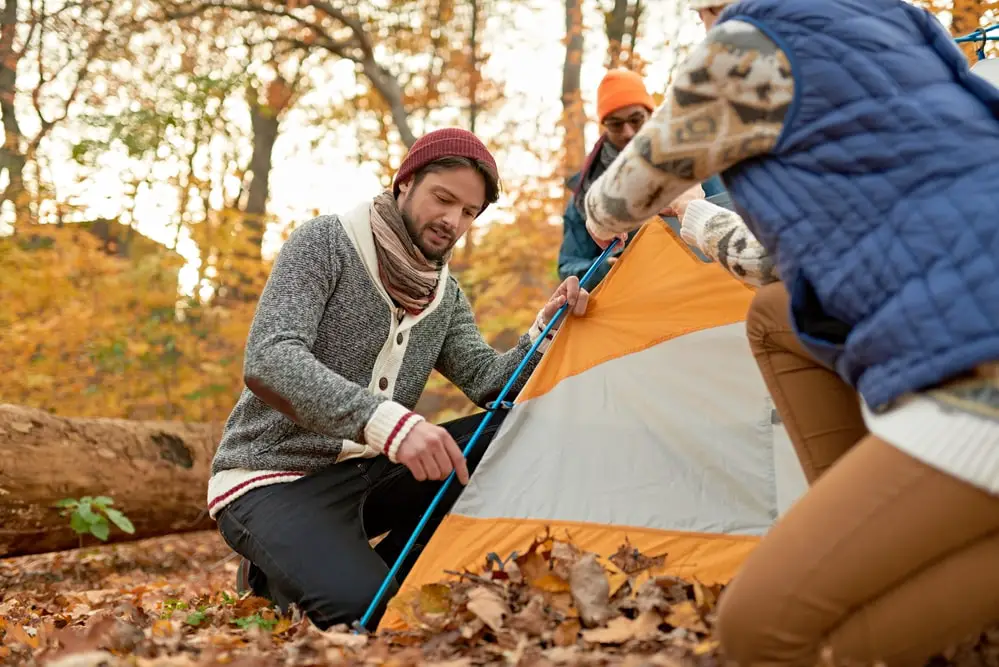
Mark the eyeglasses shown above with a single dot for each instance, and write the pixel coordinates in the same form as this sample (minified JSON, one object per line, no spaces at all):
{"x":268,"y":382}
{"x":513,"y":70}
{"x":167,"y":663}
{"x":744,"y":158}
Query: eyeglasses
{"x":635,"y":120}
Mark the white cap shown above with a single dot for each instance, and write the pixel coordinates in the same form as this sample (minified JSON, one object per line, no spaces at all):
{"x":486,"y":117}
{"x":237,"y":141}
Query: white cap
{"x":708,"y":4}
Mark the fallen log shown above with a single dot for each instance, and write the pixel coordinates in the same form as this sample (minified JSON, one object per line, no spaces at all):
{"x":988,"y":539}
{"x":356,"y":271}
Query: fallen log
{"x":156,"y":472}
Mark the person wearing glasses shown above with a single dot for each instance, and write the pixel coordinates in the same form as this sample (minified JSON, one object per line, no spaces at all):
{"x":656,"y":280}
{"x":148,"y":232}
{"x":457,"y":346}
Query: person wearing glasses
{"x":623,"y":106}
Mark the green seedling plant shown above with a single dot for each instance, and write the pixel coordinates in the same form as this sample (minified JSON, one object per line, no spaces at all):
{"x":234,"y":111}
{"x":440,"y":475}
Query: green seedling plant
{"x":255,"y":620}
{"x":94,"y":516}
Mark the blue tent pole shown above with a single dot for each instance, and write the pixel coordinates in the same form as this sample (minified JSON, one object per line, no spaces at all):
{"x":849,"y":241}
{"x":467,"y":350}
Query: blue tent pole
{"x":471,"y":443}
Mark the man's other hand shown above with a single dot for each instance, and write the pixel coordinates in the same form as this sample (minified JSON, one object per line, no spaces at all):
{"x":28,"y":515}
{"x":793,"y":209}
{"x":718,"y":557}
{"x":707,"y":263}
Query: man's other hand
{"x":430,"y":452}
{"x":568,"y":292}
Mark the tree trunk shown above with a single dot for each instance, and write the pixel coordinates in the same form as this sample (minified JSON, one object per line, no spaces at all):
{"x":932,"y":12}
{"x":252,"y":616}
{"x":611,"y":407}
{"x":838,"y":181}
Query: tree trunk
{"x":631,"y":35}
{"x":474,"y":75}
{"x":573,"y":114}
{"x":390,"y":90}
{"x":12,"y":158}
{"x":156,"y":472}
{"x":246,"y":278}
{"x":473,"y":102}
{"x":615,"y":25}
{"x":265,"y":123}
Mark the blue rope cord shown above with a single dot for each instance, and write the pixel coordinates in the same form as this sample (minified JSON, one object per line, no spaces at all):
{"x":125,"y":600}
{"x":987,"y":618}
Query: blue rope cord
{"x":979,"y":35}
{"x":471,"y":443}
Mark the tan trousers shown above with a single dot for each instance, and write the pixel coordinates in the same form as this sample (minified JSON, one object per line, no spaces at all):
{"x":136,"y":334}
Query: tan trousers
{"x":883,"y":559}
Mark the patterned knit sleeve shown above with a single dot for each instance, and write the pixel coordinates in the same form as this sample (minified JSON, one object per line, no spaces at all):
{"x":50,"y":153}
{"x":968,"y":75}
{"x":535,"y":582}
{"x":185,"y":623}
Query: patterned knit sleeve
{"x":723,"y":236}
{"x":727,"y":104}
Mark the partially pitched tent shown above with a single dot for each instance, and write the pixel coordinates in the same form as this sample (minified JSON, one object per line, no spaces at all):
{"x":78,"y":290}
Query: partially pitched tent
{"x":647,"y":420}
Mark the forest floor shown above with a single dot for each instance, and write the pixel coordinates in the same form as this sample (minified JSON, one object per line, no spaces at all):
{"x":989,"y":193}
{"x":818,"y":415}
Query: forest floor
{"x":170,"y":602}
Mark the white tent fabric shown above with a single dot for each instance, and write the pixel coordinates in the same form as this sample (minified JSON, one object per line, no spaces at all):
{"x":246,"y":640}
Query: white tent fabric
{"x":988,"y":69}
{"x":618,"y":445}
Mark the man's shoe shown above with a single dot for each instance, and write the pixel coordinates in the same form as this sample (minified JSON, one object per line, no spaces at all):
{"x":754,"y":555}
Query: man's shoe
{"x":243,"y":577}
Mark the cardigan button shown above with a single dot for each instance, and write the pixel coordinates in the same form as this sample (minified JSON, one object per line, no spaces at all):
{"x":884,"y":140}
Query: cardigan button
{"x":398,"y":339}
{"x":383,"y":384}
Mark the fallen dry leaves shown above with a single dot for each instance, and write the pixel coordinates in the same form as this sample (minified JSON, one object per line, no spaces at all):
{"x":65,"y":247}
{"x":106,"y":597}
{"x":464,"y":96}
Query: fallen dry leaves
{"x":168,"y":602}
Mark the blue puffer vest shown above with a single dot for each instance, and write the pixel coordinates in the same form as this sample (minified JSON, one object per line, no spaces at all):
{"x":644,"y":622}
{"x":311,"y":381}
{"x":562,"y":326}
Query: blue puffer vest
{"x":880,"y":200}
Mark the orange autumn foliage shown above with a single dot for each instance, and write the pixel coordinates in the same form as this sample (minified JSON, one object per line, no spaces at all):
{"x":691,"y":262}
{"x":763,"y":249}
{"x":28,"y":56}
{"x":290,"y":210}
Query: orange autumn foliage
{"x":87,"y":332}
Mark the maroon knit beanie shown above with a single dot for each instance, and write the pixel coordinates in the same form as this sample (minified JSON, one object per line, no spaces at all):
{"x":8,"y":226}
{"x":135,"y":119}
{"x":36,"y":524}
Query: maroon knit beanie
{"x":448,"y":142}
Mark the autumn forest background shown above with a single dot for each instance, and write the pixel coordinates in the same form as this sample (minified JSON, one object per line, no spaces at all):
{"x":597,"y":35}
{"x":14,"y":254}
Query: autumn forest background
{"x":156,"y":154}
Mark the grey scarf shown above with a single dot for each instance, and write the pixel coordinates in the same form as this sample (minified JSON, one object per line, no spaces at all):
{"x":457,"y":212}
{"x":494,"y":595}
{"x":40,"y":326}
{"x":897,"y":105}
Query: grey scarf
{"x":596,"y":167}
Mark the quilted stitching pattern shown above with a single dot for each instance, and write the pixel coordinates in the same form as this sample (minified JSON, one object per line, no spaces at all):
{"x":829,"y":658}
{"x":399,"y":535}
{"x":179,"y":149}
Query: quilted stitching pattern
{"x":883,"y":192}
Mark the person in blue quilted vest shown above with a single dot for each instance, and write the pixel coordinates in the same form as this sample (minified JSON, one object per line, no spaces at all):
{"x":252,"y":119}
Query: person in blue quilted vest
{"x":860,"y":152}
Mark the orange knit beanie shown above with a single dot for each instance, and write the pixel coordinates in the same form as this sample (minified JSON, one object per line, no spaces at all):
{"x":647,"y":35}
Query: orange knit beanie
{"x":621,"y":88}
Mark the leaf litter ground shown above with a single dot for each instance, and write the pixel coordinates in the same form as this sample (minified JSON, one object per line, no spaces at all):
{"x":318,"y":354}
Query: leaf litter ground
{"x":169,"y":602}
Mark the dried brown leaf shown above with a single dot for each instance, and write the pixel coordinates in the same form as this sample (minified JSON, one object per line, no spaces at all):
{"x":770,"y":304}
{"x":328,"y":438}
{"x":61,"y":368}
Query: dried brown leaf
{"x":616,"y":579}
{"x":591,"y":591}
{"x":651,"y":596}
{"x":513,"y":572}
{"x":567,"y":632}
{"x":18,"y":635}
{"x":621,"y":629}
{"x":405,"y":604}
{"x":88,"y":659}
{"x":617,"y":631}
{"x":251,"y":605}
{"x":561,"y":655}
{"x":435,"y":599}
{"x":685,"y":615}
{"x":562,"y":604}
{"x":564,"y":555}
{"x":344,"y":639}
{"x":533,"y":567}
{"x":472,"y":628}
{"x":164,"y":628}
{"x":22,"y":427}
{"x":674,"y":588}
{"x":647,"y":625}
{"x":550,"y":583}
{"x":531,"y":619}
{"x":282,"y":626}
{"x":706,"y":646}
{"x":705,"y":597}
{"x":632,"y":561}
{"x":488,"y":606}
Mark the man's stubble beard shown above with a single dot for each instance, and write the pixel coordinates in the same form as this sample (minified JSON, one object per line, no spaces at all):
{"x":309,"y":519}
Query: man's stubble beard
{"x":414,"y":236}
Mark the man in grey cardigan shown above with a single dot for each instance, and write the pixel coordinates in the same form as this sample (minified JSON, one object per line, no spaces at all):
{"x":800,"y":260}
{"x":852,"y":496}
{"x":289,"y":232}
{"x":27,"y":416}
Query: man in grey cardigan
{"x":323,"y":450}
